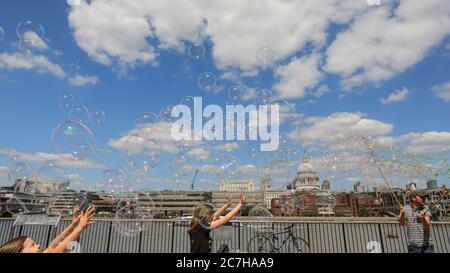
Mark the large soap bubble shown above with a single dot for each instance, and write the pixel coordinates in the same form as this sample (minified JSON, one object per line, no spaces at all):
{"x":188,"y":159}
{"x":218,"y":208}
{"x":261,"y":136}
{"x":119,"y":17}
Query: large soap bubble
{"x":72,"y":139}
{"x":50,"y":172}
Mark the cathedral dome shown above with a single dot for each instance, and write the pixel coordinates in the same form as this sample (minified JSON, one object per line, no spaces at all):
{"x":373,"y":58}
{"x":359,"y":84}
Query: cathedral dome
{"x":305,"y":166}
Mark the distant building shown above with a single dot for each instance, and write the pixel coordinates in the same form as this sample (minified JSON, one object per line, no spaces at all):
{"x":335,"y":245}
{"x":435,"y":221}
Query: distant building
{"x":306,"y":179}
{"x":432,"y":184}
{"x":358,"y":187}
{"x":326,"y":185}
{"x":266,"y":183}
{"x":237,"y":185}
{"x":271,"y":194}
{"x":160,"y":204}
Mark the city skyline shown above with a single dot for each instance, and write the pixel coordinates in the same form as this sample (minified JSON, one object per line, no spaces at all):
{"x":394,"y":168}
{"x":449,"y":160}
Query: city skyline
{"x":351,"y":70}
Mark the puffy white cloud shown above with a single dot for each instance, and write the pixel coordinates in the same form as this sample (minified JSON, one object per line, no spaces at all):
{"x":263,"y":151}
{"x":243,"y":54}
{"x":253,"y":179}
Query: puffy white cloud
{"x":80,"y":80}
{"x":63,"y":161}
{"x":325,"y":129}
{"x":396,"y":96}
{"x":199,"y":153}
{"x":426,"y":142}
{"x":298,"y":76}
{"x":132,"y":140}
{"x":375,"y":44}
{"x":320,"y":91}
{"x":109,"y":30}
{"x":388,"y":40}
{"x":39,"y":63}
{"x":34,"y":41}
{"x":442,"y":91}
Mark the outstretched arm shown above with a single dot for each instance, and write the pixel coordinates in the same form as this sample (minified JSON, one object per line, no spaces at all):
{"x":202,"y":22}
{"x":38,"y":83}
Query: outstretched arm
{"x":231,"y":214}
{"x":219,"y":212}
{"x":85,"y":219}
{"x":68,"y":230}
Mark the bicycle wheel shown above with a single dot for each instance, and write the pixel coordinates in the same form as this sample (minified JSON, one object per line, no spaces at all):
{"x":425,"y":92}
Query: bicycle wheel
{"x":259,"y":244}
{"x":297,"y":245}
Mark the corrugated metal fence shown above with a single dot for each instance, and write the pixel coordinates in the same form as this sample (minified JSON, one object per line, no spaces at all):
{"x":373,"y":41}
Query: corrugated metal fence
{"x":169,"y":236}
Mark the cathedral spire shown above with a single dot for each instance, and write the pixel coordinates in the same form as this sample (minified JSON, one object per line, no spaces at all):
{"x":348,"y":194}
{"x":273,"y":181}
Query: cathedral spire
{"x":305,"y":157}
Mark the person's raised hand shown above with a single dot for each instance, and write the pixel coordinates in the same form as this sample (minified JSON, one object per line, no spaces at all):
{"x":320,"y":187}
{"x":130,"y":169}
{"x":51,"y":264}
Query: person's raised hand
{"x":86,"y":218}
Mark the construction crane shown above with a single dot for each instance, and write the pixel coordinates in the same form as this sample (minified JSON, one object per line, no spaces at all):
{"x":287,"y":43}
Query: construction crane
{"x":193,"y":180}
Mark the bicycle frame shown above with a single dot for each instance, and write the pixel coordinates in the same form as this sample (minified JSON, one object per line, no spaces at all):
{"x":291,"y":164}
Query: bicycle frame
{"x":285,"y":239}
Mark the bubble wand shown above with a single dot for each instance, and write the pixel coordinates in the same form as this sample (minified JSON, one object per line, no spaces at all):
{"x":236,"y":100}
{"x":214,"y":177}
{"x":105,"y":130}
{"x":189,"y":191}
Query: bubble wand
{"x":381,"y":172}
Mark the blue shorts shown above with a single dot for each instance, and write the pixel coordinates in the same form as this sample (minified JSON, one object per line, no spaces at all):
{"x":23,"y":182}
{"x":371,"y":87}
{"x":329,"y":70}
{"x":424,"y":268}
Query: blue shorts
{"x":421,"y":249}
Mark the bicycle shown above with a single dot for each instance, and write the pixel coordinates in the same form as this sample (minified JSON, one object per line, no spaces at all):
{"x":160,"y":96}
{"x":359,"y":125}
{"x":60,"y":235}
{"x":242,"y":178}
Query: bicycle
{"x":264,"y":242}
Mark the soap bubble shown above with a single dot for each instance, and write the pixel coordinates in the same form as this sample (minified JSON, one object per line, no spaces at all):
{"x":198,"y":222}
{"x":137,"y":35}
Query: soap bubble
{"x":67,"y":137}
{"x":30,"y":36}
{"x":16,"y":206}
{"x":166,"y":114}
{"x":264,"y":96}
{"x":112,"y":181}
{"x":259,"y":212}
{"x":19,"y":170}
{"x":137,"y":208}
{"x":80,"y":114}
{"x":50,"y":173}
{"x":25,"y":27}
{"x":196,"y":51}
{"x":146,"y":119}
{"x":207,"y":81}
{"x":82,"y":151}
{"x":66,"y":101}
{"x":235,"y":92}
{"x":152,"y":148}
{"x":98,"y":116}
{"x":264,"y":56}
{"x":188,"y":101}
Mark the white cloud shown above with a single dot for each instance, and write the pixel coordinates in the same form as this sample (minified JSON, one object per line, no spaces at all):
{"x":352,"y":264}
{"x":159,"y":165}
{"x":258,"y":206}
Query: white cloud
{"x":320,"y":91}
{"x":79,"y":80}
{"x":442,"y":91}
{"x":396,"y":96}
{"x":297,"y":77}
{"x":375,"y":44}
{"x":325,"y":129}
{"x":39,"y":63}
{"x":34,"y":41}
{"x":62,"y":161}
{"x":199,"y":153}
{"x":386,"y":41}
{"x":120,"y":31}
{"x":426,"y":142}
{"x":132,"y":140}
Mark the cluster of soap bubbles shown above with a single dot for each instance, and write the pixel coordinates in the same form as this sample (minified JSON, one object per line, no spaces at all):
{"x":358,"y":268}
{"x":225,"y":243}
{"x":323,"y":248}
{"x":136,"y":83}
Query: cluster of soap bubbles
{"x":135,"y":207}
{"x":47,"y":183}
{"x":142,"y":155}
{"x":351,"y":155}
{"x":74,"y":138}
{"x":80,"y":113}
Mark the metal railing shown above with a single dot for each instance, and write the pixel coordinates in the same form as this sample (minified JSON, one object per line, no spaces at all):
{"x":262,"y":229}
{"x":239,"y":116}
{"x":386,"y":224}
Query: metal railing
{"x":170,"y":236}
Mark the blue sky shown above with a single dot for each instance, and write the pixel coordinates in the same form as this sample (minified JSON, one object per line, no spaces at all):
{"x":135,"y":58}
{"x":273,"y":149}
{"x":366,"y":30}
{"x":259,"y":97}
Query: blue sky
{"x":141,"y":66}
